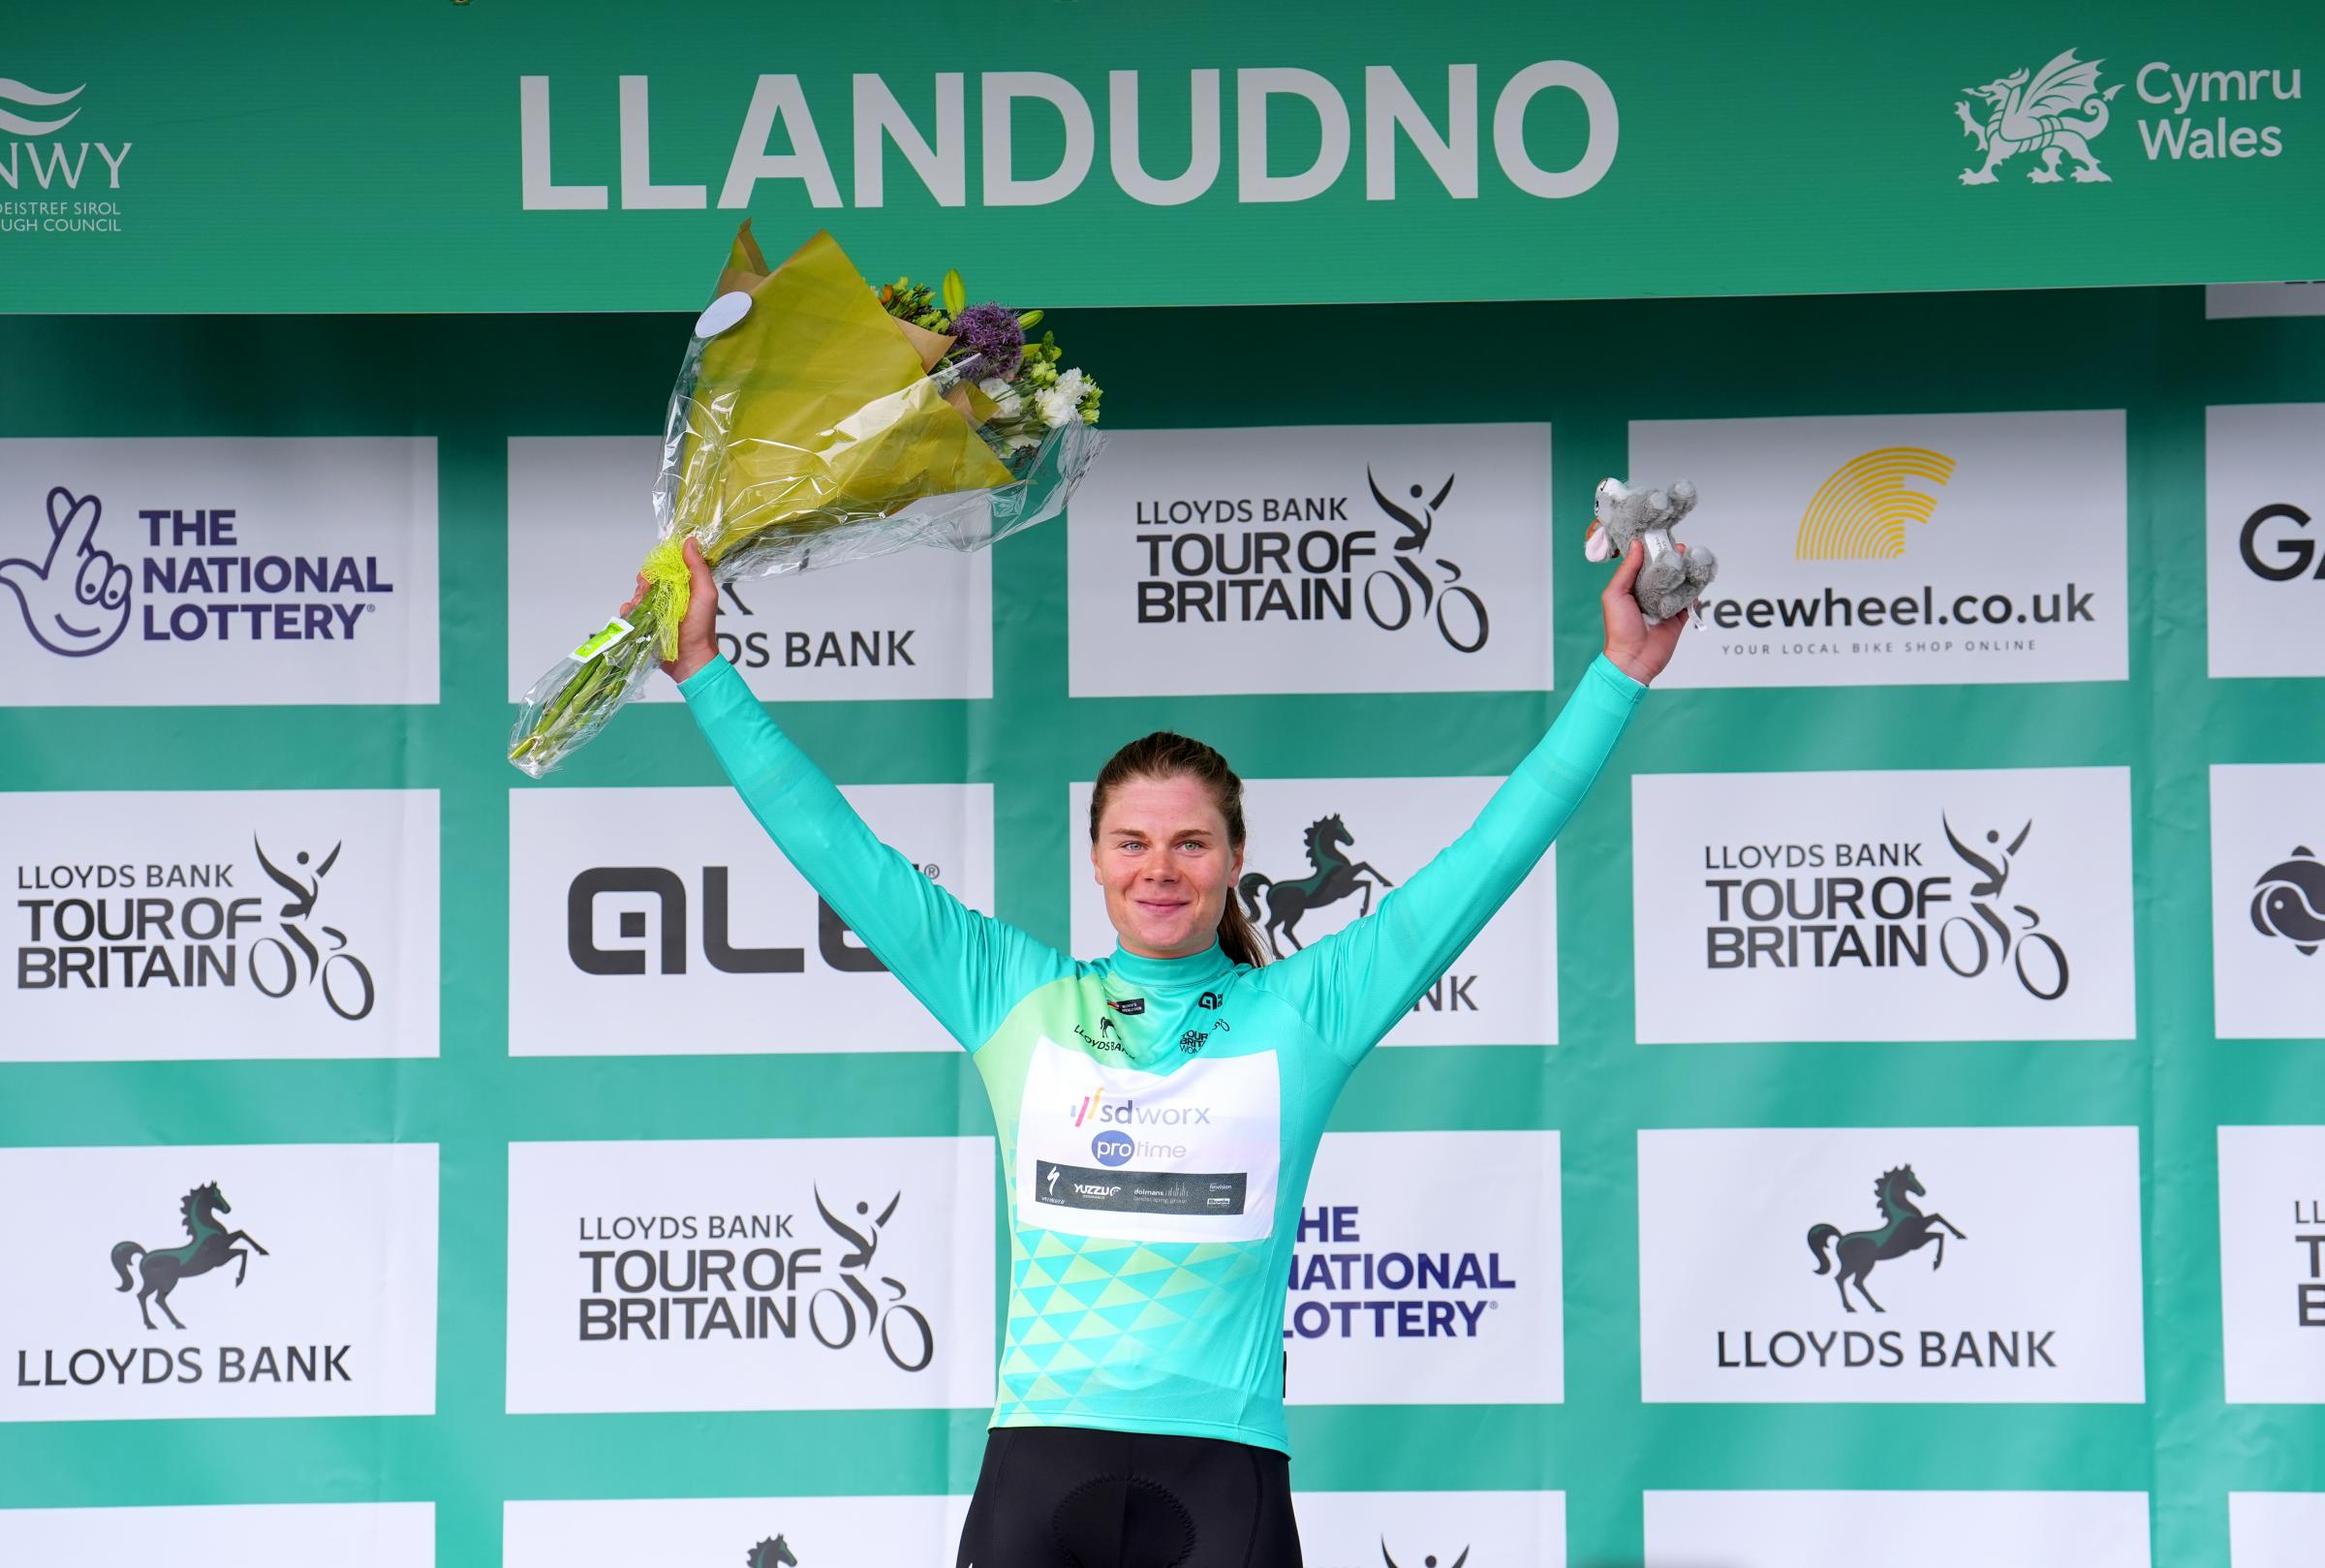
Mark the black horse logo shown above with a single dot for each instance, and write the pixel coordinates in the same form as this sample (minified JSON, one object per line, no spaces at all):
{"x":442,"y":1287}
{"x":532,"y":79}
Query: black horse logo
{"x":1903,"y":1229}
{"x":1333,"y":877}
{"x":209,"y":1246}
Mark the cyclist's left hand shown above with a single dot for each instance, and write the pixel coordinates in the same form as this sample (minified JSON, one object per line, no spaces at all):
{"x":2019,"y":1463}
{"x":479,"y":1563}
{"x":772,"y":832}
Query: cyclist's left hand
{"x":1638,"y":650}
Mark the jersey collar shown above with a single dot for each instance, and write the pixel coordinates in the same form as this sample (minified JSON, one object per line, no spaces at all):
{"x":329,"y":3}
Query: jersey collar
{"x":1170,"y":973}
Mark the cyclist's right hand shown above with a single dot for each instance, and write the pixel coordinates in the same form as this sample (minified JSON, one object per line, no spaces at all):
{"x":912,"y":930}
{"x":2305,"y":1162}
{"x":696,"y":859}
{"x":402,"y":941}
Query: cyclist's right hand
{"x":697,"y":633}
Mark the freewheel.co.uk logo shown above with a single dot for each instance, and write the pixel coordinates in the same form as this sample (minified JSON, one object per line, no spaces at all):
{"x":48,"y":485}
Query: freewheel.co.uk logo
{"x":2048,"y":120}
{"x":1331,"y":877}
{"x":188,"y":926}
{"x":200,"y":579}
{"x":42,"y":172}
{"x":1865,"y":511}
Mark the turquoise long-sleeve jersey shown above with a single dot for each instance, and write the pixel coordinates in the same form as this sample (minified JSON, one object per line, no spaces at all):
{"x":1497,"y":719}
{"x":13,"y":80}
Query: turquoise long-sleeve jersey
{"x":1157,"y":1117}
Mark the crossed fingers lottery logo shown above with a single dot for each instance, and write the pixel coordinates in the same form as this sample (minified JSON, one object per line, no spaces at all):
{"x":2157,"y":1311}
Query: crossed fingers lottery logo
{"x":76,"y":598}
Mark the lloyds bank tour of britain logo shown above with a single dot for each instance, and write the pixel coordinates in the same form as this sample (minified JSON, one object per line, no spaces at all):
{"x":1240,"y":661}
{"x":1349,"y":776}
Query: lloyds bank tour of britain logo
{"x":189,"y":927}
{"x":744,"y":1292}
{"x":1875,"y":905}
{"x":1302,"y":558}
{"x":2048,"y":121}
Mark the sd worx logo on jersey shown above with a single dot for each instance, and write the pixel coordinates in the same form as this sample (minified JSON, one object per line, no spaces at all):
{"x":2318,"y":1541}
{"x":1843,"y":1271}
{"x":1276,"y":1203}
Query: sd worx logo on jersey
{"x":1309,"y":558}
{"x":189,"y":927}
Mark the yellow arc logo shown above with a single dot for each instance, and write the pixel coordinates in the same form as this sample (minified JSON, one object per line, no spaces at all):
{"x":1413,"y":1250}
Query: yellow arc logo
{"x":1860,"y":512}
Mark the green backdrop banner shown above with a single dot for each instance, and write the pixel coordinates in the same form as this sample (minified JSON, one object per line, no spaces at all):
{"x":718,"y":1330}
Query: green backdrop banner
{"x":513,"y":155}
{"x":470,"y":1075}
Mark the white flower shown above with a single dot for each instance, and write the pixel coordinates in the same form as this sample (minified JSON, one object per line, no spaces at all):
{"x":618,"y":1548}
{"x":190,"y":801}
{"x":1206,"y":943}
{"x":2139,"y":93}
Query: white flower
{"x":1075,"y":385}
{"x":1055,"y":406}
{"x":1007,"y":404}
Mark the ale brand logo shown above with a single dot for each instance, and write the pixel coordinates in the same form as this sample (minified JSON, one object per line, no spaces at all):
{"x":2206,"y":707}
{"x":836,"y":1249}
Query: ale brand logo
{"x":1899,"y":1529}
{"x":1313,"y":559}
{"x":1432,"y":1530}
{"x":376,"y":1535}
{"x":918,"y":623}
{"x":151,"y":925}
{"x":1929,"y":906}
{"x":2264,"y":537}
{"x":1323,"y":852}
{"x":1904,"y":549}
{"x":1987,"y":1298}
{"x":2273,"y":1264}
{"x":197,"y":572}
{"x":2274,"y":1529}
{"x":783,"y":1274}
{"x":604,"y":956}
{"x":2268,"y":901}
{"x":1427,"y":1272}
{"x":719,"y":1533}
{"x":333,"y":1313}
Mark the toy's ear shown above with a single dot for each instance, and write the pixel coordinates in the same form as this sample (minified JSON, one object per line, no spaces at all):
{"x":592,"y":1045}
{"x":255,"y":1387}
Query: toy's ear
{"x":1597,"y":546}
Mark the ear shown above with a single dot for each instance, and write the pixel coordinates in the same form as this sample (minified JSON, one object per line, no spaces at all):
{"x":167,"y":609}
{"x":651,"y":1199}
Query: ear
{"x":1595,"y":545}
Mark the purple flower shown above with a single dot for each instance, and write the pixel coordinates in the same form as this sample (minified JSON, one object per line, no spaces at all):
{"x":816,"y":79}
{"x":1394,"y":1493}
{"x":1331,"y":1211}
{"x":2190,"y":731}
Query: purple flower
{"x":993,"y":334}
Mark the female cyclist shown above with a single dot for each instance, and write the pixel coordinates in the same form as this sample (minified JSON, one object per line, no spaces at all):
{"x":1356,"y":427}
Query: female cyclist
{"x":1159,"y":1108}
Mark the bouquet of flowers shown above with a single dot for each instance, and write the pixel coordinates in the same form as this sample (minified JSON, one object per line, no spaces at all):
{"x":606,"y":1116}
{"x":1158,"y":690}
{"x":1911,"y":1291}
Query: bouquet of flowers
{"x":817,"y":419}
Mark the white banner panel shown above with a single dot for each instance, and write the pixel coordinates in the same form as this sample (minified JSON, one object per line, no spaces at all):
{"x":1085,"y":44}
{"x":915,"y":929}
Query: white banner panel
{"x":723,"y":1532}
{"x":1897,"y":1529}
{"x":2273,"y":1264}
{"x":274,"y":1279}
{"x":197,"y":572}
{"x":153,"y":924}
{"x":795,"y":1274}
{"x":2264,"y":537}
{"x":632,"y":910}
{"x":914,"y":623}
{"x":2268,"y":901}
{"x":344,"y":1535}
{"x":2274,"y":1529}
{"x":1761,"y":1275}
{"x":1901,"y":549}
{"x":1313,"y":558}
{"x":1432,"y":1530}
{"x":1947,"y":904}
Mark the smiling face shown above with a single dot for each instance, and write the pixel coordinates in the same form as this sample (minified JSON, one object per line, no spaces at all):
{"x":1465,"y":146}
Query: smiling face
{"x":1164,"y":858}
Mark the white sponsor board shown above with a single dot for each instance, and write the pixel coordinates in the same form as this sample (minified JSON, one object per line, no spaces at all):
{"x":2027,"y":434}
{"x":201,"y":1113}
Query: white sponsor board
{"x":2274,"y":1529}
{"x":796,"y":1274}
{"x":1313,"y":558}
{"x":1427,"y":1272}
{"x":196,"y":572}
{"x":2268,"y":901}
{"x":345,"y":1535}
{"x":1917,"y":1265}
{"x":157,"y":925}
{"x":2264,"y":537}
{"x":1943,"y":905}
{"x":914,"y":623}
{"x":629,"y":909}
{"x":1897,"y":1529}
{"x":2273,"y":1264}
{"x":275,"y":1279}
{"x":2240,"y":299}
{"x":818,"y":1532}
{"x":1901,"y":549}
{"x":1432,"y":1530}
{"x":1354,"y":839}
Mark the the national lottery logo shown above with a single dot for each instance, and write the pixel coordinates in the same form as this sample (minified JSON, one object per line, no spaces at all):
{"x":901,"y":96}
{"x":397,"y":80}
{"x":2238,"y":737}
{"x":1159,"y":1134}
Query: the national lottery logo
{"x":176,"y":575}
{"x":742,"y":1291}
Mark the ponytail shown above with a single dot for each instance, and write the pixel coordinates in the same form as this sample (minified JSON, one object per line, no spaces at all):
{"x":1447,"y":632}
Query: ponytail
{"x":1165,"y":755}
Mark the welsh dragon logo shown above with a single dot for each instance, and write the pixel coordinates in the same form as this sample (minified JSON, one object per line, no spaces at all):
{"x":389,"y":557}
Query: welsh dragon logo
{"x":2022,"y":116}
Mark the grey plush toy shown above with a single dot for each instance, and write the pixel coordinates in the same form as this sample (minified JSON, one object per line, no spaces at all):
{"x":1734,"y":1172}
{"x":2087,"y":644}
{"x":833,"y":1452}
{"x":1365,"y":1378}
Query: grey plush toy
{"x":1670,"y":578}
